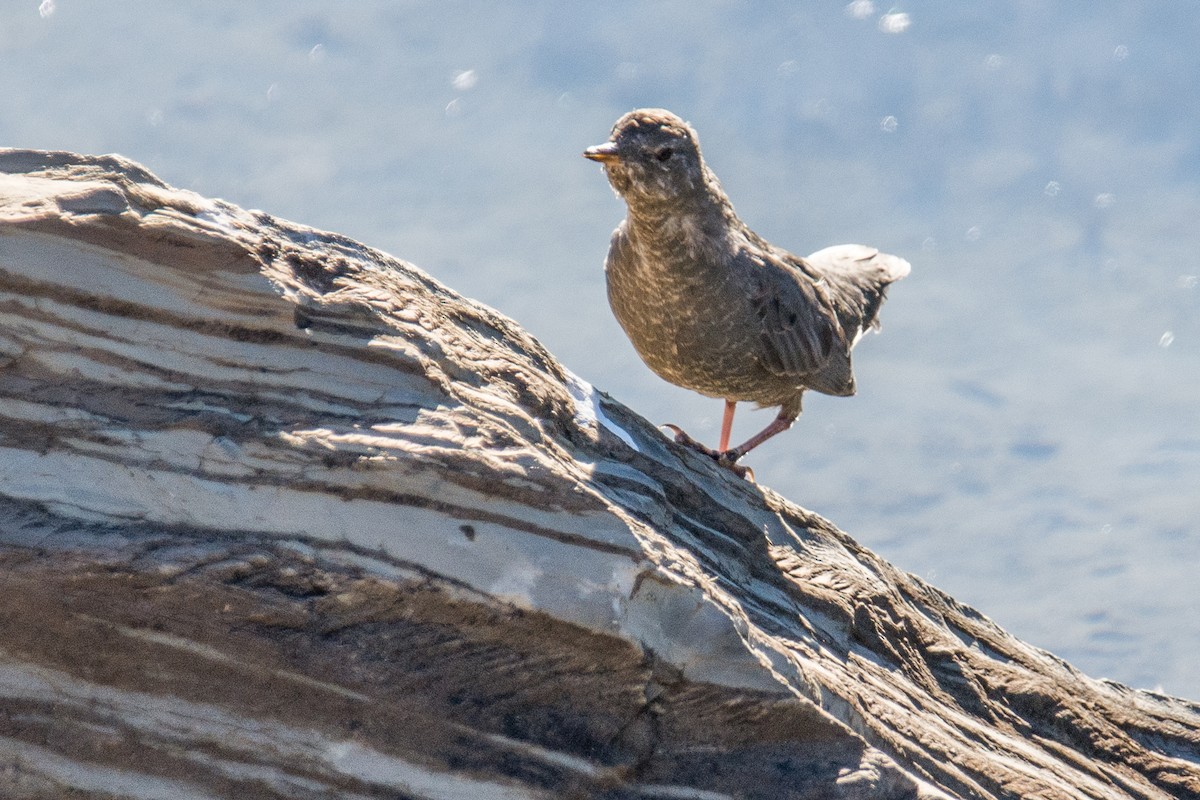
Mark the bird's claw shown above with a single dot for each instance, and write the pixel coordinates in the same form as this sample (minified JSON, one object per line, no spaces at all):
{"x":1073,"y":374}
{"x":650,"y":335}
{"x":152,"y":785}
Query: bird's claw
{"x":727,"y":459}
{"x":687,"y":441}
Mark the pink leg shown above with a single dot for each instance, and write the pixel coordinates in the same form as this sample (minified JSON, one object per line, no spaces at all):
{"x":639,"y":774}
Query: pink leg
{"x":726,"y":425}
{"x":729,"y":458}
{"x":778,"y":425}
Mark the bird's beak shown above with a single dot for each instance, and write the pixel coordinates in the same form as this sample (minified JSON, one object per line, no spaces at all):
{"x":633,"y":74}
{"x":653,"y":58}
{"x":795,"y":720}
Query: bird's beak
{"x":605,"y":153}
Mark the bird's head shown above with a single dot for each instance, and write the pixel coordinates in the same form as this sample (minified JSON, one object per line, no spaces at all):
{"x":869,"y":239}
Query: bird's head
{"x":652,"y":156}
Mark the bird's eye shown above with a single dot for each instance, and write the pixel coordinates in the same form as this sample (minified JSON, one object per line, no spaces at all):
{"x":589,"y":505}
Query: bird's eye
{"x":665,"y":153}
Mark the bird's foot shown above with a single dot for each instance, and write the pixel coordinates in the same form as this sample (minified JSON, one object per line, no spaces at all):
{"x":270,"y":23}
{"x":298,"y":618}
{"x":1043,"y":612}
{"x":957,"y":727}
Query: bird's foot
{"x":727,"y":459}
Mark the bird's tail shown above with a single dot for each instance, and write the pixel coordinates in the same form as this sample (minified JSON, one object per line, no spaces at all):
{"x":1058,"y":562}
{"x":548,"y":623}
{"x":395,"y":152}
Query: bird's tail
{"x":860,"y":264}
{"x":858,"y":277}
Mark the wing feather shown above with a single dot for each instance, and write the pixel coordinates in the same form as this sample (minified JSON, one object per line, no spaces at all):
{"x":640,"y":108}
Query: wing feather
{"x":801,"y":336}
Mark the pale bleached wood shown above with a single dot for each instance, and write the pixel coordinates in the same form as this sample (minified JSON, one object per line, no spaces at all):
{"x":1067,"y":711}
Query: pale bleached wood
{"x":282,"y":516}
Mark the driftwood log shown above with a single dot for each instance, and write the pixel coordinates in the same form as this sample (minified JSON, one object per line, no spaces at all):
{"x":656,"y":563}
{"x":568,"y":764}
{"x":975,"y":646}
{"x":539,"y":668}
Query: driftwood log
{"x":283,"y":517}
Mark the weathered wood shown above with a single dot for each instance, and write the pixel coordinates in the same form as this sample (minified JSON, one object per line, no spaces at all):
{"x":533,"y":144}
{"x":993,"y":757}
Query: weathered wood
{"x":281,"y":516}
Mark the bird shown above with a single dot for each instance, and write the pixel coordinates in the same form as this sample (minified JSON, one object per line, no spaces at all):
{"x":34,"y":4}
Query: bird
{"x":713,"y":307}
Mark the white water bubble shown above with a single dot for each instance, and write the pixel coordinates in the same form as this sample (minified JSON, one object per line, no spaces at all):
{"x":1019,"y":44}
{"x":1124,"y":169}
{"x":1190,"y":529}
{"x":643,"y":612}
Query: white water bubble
{"x":1120,"y":53}
{"x":1166,"y":339}
{"x":465,"y":80}
{"x":821,"y":109}
{"x":1104,"y":200}
{"x":1052,"y":189}
{"x":889,"y":124}
{"x":46,"y":8}
{"x":1188,"y":281}
{"x":317,"y":54}
{"x":894,"y":22}
{"x":973,"y":233}
{"x":929,"y":244}
{"x":272,"y":92}
{"x":994,"y":61}
{"x":787,"y":68}
{"x":860,"y":9}
{"x":154,"y":117}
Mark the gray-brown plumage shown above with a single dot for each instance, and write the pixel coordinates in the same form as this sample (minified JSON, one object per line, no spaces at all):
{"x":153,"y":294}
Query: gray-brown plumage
{"x":708,"y":304}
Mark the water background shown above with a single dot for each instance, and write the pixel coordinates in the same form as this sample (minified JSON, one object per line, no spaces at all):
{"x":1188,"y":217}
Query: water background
{"x":1026,"y":435}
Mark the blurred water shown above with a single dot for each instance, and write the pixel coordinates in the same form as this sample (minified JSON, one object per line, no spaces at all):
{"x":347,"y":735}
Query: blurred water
{"x":1026,"y":432}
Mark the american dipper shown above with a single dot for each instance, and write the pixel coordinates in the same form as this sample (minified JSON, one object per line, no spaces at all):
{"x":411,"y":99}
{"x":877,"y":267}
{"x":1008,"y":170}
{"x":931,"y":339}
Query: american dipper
{"x":711,"y":306}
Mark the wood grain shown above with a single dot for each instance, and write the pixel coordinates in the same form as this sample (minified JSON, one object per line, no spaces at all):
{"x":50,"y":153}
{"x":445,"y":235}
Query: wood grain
{"x":282,"y":516}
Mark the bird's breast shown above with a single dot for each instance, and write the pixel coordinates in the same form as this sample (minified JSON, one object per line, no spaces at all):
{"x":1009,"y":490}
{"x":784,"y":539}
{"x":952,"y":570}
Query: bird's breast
{"x":686,"y":313}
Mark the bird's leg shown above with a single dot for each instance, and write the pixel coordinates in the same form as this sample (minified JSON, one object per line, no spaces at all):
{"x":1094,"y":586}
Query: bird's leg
{"x":726,"y":425}
{"x":728,"y":458}
{"x":716,"y":455}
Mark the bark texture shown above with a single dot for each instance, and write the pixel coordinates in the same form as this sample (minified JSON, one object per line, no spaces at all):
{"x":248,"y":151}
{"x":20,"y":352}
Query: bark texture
{"x":281,"y":516}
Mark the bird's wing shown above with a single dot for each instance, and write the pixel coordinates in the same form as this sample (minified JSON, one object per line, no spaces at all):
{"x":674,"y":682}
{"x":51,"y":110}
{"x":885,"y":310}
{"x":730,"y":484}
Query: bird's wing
{"x":800,"y":332}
